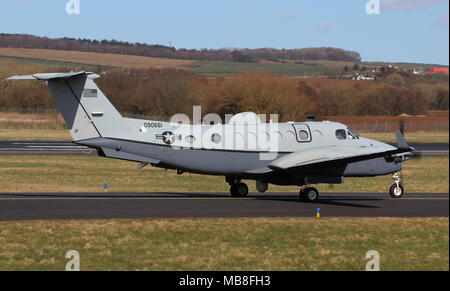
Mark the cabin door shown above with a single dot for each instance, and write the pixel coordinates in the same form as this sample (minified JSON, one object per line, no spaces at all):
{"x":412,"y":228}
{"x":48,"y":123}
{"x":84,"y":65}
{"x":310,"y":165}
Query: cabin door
{"x":302,"y":132}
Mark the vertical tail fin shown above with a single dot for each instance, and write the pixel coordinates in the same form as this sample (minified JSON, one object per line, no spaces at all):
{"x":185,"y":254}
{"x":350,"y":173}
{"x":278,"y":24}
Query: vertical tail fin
{"x":85,"y":109}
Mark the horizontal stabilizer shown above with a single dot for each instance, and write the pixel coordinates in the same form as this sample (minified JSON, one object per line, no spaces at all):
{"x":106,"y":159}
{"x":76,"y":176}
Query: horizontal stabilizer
{"x":27,"y":77}
{"x":53,"y":76}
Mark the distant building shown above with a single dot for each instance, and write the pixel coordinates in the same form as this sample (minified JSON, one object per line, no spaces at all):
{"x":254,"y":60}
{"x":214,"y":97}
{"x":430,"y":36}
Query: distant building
{"x":440,"y":70}
{"x":360,"y":77}
{"x":413,"y":71}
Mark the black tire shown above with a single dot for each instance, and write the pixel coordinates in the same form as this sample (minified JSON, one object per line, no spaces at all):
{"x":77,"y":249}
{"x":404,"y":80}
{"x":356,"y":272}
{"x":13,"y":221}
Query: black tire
{"x":241,"y":190}
{"x":233,"y":190}
{"x":309,"y":194}
{"x":396,"y":192}
{"x":302,"y":196}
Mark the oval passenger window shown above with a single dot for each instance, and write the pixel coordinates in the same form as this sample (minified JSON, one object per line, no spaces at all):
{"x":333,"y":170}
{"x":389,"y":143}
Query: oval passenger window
{"x":303,"y":135}
{"x":216,"y":138}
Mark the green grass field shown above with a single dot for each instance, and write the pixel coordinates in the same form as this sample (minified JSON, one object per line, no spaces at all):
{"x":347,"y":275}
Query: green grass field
{"x":87,"y":174}
{"x":225,"y":69}
{"x":212,"y":69}
{"x":227,"y":244}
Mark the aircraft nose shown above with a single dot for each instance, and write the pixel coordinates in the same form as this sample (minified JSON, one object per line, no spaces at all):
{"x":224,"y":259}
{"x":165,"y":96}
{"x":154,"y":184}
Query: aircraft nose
{"x":375,"y":143}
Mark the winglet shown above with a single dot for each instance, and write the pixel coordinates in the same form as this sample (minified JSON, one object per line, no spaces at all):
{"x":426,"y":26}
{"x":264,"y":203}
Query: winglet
{"x":401,"y":142}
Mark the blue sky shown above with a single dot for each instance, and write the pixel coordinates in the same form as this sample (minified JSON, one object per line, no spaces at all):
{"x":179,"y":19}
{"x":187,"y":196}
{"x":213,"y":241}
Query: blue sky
{"x":405,"y":30}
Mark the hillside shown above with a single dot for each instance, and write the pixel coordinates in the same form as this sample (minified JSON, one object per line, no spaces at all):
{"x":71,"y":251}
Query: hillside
{"x":205,"y":68}
{"x":288,"y":68}
{"x":142,"y":49}
{"x":100,"y":59}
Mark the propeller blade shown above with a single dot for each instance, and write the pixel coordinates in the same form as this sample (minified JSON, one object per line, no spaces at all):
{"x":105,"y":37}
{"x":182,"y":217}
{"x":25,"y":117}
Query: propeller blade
{"x":417,"y":155}
{"x":401,"y":142}
{"x":402,"y":125}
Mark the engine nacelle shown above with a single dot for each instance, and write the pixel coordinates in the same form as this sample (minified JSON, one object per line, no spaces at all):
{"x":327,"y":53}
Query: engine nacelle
{"x":262,"y":186}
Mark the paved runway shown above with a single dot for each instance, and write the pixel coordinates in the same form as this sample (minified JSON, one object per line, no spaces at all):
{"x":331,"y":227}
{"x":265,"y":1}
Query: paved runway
{"x":26,"y":206}
{"x":43,"y":148}
{"x":69,"y":148}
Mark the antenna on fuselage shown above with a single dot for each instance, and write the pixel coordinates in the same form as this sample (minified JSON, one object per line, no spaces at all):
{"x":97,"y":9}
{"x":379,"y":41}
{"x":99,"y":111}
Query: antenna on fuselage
{"x":310,"y":117}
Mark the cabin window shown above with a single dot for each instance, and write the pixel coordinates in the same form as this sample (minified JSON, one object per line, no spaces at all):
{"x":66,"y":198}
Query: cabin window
{"x":290,"y":135}
{"x":264,"y":137}
{"x":279,"y":134}
{"x":341,"y":134}
{"x":238,"y":141}
{"x":190,"y":139}
{"x":216,"y":138}
{"x":318,"y":133}
{"x":303,"y":135}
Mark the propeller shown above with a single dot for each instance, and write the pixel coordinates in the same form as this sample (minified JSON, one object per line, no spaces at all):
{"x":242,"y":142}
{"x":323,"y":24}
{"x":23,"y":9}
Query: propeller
{"x":402,"y":126}
{"x":401,"y":142}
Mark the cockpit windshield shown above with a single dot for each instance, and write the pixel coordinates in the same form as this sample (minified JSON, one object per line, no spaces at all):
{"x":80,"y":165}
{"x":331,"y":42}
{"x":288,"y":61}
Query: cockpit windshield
{"x":352,"y":134}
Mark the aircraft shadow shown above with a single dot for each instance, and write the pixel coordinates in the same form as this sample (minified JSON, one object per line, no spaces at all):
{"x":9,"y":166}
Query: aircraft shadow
{"x":330,"y":202}
{"x":107,"y":195}
{"x":357,"y":201}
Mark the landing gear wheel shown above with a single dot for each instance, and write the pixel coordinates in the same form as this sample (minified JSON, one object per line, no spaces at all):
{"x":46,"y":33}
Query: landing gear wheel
{"x":396,"y":191}
{"x":309,"y":194}
{"x":233,"y":190}
{"x":239,"y":190}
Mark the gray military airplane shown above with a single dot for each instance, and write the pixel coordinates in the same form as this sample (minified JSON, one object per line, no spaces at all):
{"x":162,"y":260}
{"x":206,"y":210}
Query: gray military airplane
{"x":299,"y":153}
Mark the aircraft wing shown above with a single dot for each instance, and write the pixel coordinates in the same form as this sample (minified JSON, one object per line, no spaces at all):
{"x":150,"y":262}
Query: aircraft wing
{"x":332,"y":154}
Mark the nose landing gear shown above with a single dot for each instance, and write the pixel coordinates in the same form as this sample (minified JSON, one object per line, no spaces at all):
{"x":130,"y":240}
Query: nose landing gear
{"x":396,"y":191}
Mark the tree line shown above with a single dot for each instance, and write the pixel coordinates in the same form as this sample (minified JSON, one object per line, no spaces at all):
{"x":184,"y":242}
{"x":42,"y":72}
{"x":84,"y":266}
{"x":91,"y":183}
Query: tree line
{"x":143,"y":49}
{"x":165,"y":92}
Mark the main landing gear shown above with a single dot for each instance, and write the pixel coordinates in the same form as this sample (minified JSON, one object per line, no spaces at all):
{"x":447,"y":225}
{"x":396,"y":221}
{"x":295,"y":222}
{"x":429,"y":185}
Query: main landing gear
{"x":309,"y":194}
{"x":396,"y":191}
{"x":237,"y":188}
